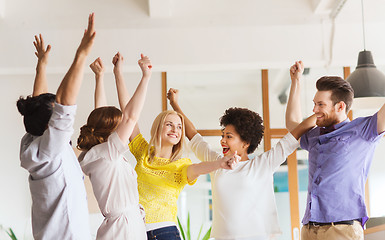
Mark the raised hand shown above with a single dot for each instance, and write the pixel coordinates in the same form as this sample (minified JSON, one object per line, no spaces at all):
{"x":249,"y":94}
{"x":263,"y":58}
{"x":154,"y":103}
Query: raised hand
{"x":296,"y":71}
{"x":229,"y":162}
{"x":117,"y":60}
{"x":97,"y":66}
{"x":41,"y":52}
{"x":145,"y":64}
{"x":100,"y":98}
{"x":88,"y":37}
{"x":69,"y":87}
{"x":40,"y":85}
{"x":173,"y":95}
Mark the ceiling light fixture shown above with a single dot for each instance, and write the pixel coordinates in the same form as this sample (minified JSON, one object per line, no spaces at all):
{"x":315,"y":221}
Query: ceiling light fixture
{"x":367,"y":81}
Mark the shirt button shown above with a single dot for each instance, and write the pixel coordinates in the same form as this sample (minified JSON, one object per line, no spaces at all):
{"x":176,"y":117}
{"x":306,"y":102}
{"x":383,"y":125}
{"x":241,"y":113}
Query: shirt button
{"x":317,"y":180}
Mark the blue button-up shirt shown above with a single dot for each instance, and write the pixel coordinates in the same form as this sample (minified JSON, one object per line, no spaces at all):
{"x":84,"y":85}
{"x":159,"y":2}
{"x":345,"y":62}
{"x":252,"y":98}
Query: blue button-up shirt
{"x":339,"y":162}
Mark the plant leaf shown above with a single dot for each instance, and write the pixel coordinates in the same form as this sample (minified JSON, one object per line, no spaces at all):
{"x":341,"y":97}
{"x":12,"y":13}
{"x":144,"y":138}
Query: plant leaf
{"x":181,"y":229}
{"x":207,"y":235}
{"x":11,"y":234}
{"x":200,"y":231}
{"x":188,"y":227}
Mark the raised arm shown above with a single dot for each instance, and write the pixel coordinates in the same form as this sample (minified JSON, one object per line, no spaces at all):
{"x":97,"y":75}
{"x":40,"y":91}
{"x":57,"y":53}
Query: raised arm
{"x":304,"y":126}
{"x":133,"y":108}
{"x":70,"y":85}
{"x":40,"y":84}
{"x":121,"y":88}
{"x":381,"y":120}
{"x":172,"y":96}
{"x":293,"y":109}
{"x":226,"y":162}
{"x":100,"y":94}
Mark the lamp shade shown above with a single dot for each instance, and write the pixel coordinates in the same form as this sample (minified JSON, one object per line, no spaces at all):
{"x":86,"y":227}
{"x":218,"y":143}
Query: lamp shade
{"x":367,"y":80}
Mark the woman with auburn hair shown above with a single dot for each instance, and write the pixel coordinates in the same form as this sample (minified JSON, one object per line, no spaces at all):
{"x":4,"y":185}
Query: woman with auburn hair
{"x":104,"y":140}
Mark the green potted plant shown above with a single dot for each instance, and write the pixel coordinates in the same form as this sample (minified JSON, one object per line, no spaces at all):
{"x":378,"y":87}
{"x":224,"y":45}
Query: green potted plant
{"x":187,"y":236}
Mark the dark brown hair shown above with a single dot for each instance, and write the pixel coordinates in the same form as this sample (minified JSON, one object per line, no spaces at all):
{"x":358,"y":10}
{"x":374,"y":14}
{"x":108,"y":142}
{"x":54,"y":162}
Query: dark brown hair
{"x":100,"y":124}
{"x":248,"y":124}
{"x":341,"y":90}
{"x":37,"y":112}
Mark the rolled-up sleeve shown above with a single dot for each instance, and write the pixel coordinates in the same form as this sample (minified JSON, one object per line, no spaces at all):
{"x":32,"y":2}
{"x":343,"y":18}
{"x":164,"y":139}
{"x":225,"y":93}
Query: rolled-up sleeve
{"x":59,"y":131}
{"x":278,"y":154}
{"x":202,"y":149}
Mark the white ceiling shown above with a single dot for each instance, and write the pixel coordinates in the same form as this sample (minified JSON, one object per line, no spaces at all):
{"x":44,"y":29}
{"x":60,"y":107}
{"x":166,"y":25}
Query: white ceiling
{"x":243,"y":33}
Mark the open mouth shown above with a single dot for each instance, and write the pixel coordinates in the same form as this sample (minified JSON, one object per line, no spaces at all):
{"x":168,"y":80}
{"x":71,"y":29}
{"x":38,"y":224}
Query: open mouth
{"x":172,"y":135}
{"x":225,"y":150}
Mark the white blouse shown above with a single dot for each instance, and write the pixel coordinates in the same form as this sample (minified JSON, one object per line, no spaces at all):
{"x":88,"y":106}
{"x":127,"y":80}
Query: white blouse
{"x":59,"y":202}
{"x":116,"y":190}
{"x":243,"y":198}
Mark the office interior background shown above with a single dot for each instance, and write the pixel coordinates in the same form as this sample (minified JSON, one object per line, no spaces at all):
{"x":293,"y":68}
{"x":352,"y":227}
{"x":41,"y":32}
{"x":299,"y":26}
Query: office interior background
{"x":219,"y":53}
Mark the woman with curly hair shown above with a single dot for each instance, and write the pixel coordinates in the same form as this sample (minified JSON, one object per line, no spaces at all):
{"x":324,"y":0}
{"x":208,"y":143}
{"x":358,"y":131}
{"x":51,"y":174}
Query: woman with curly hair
{"x":243,"y":199}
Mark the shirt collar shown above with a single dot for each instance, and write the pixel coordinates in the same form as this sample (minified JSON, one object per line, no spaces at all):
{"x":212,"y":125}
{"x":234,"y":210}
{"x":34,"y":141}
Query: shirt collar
{"x":338,"y":125}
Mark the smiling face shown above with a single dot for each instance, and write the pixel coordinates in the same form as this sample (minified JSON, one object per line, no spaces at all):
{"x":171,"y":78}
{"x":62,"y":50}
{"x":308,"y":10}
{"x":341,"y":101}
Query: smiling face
{"x":172,"y":130}
{"x":231,"y":142}
{"x":324,"y":109}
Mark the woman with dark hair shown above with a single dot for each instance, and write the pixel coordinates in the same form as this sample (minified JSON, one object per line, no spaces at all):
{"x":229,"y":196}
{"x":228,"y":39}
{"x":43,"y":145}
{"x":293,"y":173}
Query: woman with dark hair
{"x":59,"y":204}
{"x":243,"y":199}
{"x":104,"y":140}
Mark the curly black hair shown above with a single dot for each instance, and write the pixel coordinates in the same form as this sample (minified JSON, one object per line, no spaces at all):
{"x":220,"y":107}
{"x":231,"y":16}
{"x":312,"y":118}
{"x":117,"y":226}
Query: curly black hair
{"x":248,"y":124}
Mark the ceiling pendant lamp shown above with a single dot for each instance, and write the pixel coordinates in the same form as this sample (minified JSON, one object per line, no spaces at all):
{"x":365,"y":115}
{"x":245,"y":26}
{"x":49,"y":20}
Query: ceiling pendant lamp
{"x":367,"y":81}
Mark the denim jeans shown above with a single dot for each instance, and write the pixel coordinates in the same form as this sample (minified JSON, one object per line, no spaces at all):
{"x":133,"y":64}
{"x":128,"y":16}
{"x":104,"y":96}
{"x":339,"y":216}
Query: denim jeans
{"x":165,"y":233}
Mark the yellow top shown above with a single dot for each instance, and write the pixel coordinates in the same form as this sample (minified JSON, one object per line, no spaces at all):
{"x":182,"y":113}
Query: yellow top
{"x":159,"y":182}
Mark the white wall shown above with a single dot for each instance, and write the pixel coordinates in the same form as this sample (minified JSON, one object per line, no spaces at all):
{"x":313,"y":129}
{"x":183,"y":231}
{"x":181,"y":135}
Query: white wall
{"x":15,"y":200}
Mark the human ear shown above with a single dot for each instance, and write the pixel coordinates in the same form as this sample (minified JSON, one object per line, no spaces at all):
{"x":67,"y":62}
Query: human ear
{"x":341,"y":106}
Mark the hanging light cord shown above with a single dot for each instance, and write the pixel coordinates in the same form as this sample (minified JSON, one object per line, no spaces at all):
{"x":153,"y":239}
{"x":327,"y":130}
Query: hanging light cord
{"x":363,"y":23}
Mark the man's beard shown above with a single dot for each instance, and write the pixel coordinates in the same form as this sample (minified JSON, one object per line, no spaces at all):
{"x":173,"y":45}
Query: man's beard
{"x":327,"y":122}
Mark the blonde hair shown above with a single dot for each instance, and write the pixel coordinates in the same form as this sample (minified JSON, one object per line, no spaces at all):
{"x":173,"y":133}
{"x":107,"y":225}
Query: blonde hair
{"x":155,"y":143}
{"x":100,"y":124}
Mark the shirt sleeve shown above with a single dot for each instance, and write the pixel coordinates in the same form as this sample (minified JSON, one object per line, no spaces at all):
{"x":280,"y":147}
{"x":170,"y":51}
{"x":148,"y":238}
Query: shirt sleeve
{"x":116,"y":146}
{"x":184,"y":174}
{"x":202,"y":149}
{"x":278,"y":154}
{"x":305,"y":141}
{"x":369,"y":129}
{"x":39,"y":152}
{"x":138,"y":147}
{"x":59,"y":131}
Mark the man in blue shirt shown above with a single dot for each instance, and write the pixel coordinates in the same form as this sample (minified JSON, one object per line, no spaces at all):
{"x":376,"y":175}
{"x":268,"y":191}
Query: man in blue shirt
{"x":340,"y":154}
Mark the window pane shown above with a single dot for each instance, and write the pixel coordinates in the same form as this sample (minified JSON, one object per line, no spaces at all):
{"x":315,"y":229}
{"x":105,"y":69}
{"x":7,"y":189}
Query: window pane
{"x":204,"y":96}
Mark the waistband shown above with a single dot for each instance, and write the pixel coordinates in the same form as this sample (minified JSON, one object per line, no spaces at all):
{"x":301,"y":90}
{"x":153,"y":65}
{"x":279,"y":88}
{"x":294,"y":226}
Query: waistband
{"x":127,"y":211}
{"x":318,"y":224}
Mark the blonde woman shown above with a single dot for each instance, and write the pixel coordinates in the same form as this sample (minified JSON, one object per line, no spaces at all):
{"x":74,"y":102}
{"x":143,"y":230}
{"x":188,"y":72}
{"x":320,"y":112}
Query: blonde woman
{"x":104,"y":139}
{"x":163,"y":172}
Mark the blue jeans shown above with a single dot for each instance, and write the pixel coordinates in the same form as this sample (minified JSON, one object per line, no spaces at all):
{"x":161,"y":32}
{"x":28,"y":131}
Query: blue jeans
{"x":165,"y":233}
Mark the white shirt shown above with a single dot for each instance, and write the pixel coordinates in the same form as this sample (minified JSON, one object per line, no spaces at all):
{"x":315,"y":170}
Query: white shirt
{"x":116,"y":190}
{"x":59,"y":203}
{"x":243,"y":198}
